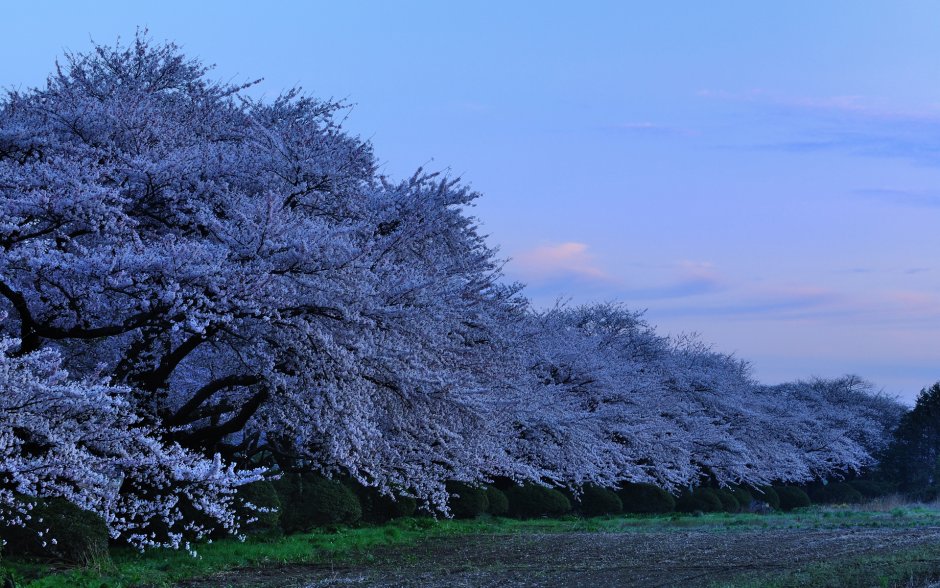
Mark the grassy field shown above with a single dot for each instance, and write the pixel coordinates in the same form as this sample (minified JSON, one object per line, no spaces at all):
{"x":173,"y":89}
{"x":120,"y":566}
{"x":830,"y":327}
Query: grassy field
{"x":873,"y":547}
{"x":913,"y":568}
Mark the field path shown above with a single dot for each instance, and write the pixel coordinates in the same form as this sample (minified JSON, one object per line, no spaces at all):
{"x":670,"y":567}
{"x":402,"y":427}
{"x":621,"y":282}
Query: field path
{"x":593,"y":560}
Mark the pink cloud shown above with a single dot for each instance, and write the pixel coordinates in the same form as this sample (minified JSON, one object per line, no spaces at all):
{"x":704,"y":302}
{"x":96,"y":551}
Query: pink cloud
{"x":916,"y":302}
{"x":703,"y":271}
{"x":554,"y":261}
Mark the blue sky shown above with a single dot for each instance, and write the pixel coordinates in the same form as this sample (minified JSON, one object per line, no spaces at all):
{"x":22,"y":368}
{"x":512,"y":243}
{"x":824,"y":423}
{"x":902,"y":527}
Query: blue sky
{"x":767,"y":175}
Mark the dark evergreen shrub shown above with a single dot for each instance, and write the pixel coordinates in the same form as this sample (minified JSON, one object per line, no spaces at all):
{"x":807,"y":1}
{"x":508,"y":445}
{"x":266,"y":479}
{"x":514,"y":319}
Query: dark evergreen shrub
{"x":792,"y":497}
{"x":699,"y":500}
{"x":928,"y":494}
{"x":836,"y":493}
{"x":812,"y":489}
{"x":532,"y":501}
{"x":728,"y":502}
{"x":69,"y":534}
{"x":402,"y":506}
{"x":503,"y":483}
{"x":499,"y":504}
{"x":910,"y":460}
{"x":466,"y":501}
{"x":379,"y":508}
{"x":872,"y":488}
{"x":645,"y":499}
{"x":743,"y":496}
{"x":310,"y":500}
{"x":769,"y":495}
{"x":597,"y":501}
{"x":261,"y":494}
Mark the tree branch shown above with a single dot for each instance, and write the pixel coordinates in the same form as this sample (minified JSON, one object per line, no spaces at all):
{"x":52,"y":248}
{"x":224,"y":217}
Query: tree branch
{"x":211,"y":435}
{"x":206,"y":392}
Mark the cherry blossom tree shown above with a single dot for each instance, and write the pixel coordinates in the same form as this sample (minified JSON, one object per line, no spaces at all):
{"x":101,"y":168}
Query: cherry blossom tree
{"x":81,"y":440}
{"x":617,"y":402}
{"x":241,"y":268}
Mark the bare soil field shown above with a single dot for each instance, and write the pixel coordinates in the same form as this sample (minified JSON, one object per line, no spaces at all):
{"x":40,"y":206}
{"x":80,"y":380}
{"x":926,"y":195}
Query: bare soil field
{"x":596,"y":559}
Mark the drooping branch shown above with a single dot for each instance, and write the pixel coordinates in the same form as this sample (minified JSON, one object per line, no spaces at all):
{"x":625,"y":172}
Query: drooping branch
{"x":132,"y":323}
{"x":182,"y":415}
{"x":157,"y":378}
{"x":29,"y":338}
{"x":32,"y":331}
{"x":209,"y":436}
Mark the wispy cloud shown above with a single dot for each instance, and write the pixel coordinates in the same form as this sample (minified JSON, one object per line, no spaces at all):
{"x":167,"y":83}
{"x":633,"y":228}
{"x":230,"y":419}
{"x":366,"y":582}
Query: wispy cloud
{"x":691,"y":278}
{"x":698,"y":291}
{"x":571,"y":269}
{"x":930,"y":199}
{"x":651,"y":128}
{"x":856,"y":125}
{"x":770,"y":303}
{"x":562,"y":260}
{"x":915,"y":301}
{"x":908,"y":271}
{"x":891,"y":309}
{"x":854,"y":105}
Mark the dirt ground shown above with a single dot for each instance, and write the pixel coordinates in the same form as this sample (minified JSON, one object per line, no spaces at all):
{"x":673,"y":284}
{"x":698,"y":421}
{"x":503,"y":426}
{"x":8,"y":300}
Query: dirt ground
{"x":595,"y":560}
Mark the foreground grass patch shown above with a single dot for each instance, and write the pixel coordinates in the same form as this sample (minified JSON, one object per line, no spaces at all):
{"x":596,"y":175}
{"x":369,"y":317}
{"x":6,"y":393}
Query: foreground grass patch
{"x":356,"y":546}
{"x":901,"y":569}
{"x":160,"y":567}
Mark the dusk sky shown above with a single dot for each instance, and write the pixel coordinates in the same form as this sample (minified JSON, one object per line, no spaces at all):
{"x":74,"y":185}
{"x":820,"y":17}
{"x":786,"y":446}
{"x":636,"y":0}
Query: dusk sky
{"x":764,"y":174}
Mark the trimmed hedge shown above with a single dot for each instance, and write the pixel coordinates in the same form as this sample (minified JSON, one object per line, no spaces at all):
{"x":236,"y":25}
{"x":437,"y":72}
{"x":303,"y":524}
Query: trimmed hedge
{"x":466,"y":501}
{"x":380,"y":508}
{"x":597,"y":501}
{"x":69,"y":533}
{"x":769,"y":495}
{"x":792,"y":497}
{"x":645,"y":499}
{"x":836,"y":493}
{"x":872,"y":488}
{"x":531,"y":501}
{"x":264,"y":495}
{"x":498,"y":503}
{"x":728,"y":502}
{"x":699,"y":500}
{"x":743,"y":496}
{"x":311,"y":500}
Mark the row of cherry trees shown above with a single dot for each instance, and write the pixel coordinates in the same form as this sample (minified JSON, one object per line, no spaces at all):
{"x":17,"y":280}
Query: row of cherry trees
{"x":197,"y":285}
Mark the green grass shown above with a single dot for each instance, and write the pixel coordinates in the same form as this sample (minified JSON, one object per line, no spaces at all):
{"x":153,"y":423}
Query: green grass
{"x":900,"y":569}
{"x":158,"y":568}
